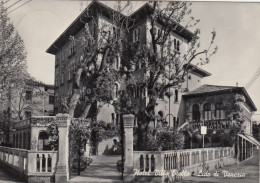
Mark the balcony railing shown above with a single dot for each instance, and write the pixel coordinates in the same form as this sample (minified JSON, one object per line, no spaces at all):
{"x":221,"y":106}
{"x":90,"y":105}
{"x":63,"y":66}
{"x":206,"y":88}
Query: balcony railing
{"x":212,"y":124}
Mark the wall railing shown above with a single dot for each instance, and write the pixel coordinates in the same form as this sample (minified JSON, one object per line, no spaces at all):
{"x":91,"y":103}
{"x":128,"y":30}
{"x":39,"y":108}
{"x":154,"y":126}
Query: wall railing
{"x":149,"y":161}
{"x":29,"y":162}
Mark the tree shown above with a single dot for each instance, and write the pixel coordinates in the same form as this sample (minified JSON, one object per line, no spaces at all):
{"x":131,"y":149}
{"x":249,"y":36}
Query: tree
{"x":159,"y":61}
{"x":156,"y":65}
{"x":12,"y":53}
{"x":96,"y":73}
{"x":12,"y":66}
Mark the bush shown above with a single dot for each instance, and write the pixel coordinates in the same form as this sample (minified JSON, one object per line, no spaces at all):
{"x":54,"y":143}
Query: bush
{"x":164,"y":140}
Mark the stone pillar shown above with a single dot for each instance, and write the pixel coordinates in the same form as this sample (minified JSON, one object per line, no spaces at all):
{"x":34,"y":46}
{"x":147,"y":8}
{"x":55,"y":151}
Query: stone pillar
{"x":62,"y":171}
{"x":128,"y":121}
{"x":238,"y":150}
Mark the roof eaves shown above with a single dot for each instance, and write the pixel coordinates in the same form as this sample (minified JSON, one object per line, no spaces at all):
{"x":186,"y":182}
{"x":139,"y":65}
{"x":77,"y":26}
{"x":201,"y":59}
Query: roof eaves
{"x":242,"y":89}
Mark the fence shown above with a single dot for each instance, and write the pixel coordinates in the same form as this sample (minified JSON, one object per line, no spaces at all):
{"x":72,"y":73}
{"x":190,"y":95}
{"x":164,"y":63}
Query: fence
{"x":29,"y":162}
{"x":149,"y":161}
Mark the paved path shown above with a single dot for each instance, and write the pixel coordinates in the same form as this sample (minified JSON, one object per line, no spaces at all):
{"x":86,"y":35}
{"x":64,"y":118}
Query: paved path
{"x":103,"y":169}
{"x":6,"y":177}
{"x":250,"y":167}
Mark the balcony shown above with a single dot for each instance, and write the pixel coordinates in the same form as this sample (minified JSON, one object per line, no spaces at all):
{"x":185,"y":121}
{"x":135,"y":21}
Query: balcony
{"x":212,"y":124}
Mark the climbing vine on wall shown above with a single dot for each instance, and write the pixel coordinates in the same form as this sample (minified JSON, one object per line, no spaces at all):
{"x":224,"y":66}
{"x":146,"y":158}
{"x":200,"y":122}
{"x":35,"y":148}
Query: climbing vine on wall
{"x":53,"y":133}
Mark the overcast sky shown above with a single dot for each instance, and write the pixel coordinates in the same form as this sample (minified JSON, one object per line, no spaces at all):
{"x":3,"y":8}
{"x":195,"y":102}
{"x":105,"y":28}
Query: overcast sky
{"x":237,"y":25}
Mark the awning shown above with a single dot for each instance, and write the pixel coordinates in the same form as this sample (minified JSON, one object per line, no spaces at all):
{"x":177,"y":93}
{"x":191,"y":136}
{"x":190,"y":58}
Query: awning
{"x":250,"y":139}
{"x":253,"y":139}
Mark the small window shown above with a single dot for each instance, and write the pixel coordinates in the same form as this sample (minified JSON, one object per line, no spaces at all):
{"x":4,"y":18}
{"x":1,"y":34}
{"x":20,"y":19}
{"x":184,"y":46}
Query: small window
{"x":43,"y":141}
{"x":175,"y":44}
{"x":113,"y":118}
{"x":207,"y":111}
{"x":116,"y":62}
{"x":136,"y":35}
{"x":117,"y":119}
{"x":28,"y":114}
{"x":28,"y":95}
{"x":161,"y":96}
{"x":51,"y":99}
{"x":207,"y":107}
{"x":195,"y":112}
{"x":219,"y":113}
{"x":62,"y":78}
{"x":116,"y":33}
{"x":178,"y":46}
{"x":176,"y":99}
{"x":116,"y":90}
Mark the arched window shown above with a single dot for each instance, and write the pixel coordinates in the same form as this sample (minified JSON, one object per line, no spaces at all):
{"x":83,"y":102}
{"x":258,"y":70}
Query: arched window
{"x":219,"y":113}
{"x":196,"y":112}
{"x":43,"y":141}
{"x":207,"y":111}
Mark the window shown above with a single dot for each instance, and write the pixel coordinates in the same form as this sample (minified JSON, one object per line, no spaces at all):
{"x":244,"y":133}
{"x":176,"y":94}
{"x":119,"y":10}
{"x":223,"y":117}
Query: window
{"x":62,"y":77}
{"x":116,"y":90}
{"x":114,"y":32}
{"x":117,"y":119}
{"x":51,"y":99}
{"x":178,"y":46}
{"x":116,"y":63}
{"x":207,"y":111}
{"x":196,"y":112}
{"x":28,"y":114}
{"x":71,"y":70}
{"x":136,"y":35}
{"x":219,"y":113}
{"x":28,"y":95}
{"x":72,"y":45}
{"x":57,"y":81}
{"x":62,"y":55}
{"x":43,"y":141}
{"x":176,"y":99}
{"x":113,"y":118}
{"x":161,"y":96}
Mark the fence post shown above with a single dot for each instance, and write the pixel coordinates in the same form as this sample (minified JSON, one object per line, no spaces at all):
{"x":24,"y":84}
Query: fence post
{"x":62,"y":171}
{"x":128,"y":121}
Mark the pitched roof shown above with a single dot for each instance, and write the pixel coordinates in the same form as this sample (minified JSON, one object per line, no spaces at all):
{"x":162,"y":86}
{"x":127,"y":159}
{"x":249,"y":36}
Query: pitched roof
{"x":216,"y":89}
{"x":80,"y":21}
{"x":147,"y":9}
{"x":196,"y":69}
{"x":208,"y":89}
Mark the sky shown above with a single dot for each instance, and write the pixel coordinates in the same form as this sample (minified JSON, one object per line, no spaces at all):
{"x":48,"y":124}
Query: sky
{"x":237,"y":24}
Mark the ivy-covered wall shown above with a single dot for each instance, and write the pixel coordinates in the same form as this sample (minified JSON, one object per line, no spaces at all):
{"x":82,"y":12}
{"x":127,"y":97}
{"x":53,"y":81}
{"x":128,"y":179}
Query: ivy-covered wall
{"x":234,"y":107}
